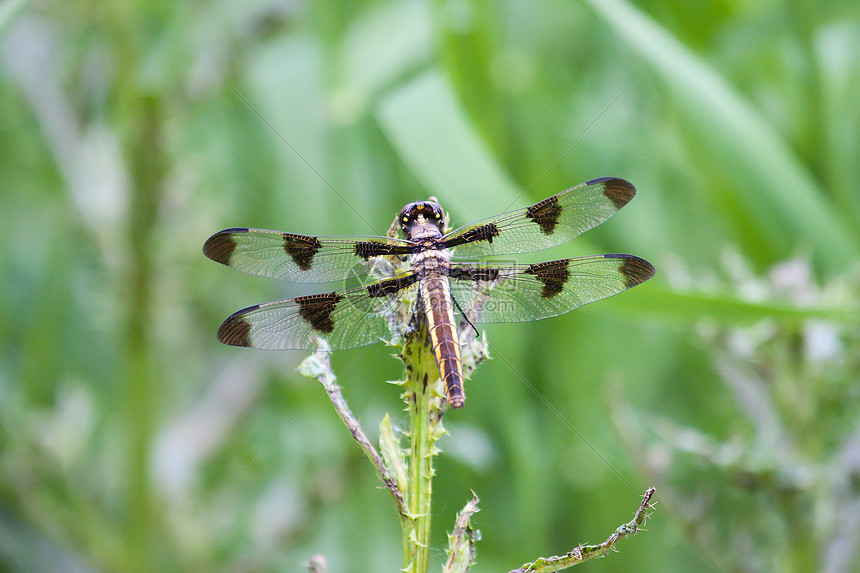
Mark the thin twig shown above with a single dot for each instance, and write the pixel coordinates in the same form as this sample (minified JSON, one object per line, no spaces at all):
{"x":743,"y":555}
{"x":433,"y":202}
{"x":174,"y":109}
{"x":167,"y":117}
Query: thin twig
{"x":318,"y":366}
{"x":585,"y":552}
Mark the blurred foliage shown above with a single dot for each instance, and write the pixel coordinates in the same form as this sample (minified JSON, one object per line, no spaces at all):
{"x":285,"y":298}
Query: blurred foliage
{"x":131,"y":441}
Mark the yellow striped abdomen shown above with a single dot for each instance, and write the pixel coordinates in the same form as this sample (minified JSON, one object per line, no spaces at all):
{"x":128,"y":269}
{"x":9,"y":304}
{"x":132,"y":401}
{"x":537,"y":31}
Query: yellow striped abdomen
{"x":442,"y":327}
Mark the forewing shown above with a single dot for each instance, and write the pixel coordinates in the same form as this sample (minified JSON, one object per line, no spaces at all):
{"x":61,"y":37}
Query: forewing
{"x":545,"y":224}
{"x":346,"y":319}
{"x":299,"y":258}
{"x":522,"y":293}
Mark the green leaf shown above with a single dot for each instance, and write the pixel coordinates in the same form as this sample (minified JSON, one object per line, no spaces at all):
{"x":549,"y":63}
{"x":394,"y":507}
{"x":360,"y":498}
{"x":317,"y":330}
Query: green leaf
{"x":767,"y":181}
{"x":389,"y":445}
{"x":691,"y":308}
{"x":432,"y":135}
{"x":383,"y":44}
{"x":461,"y":542}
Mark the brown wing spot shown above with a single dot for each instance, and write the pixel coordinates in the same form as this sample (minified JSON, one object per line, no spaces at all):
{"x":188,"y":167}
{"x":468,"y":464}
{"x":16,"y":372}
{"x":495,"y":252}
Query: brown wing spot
{"x":390,"y":286}
{"x":367,"y":249}
{"x":545,"y":213}
{"x":219,"y":247}
{"x":635,"y":270}
{"x":619,"y":191}
{"x":553,"y":274}
{"x":317,"y":309}
{"x":302,"y":249}
{"x":235,"y":330}
{"x":476,"y":235}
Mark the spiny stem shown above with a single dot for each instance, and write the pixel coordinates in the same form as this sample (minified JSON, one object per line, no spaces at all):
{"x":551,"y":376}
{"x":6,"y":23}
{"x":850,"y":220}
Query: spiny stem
{"x":425,"y":402}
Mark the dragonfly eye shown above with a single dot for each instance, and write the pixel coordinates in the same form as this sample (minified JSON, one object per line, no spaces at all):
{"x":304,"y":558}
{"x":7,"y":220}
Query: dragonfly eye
{"x":429,"y":212}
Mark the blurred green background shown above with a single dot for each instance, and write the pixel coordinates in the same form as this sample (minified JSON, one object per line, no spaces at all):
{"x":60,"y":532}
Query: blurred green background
{"x":130,"y":440}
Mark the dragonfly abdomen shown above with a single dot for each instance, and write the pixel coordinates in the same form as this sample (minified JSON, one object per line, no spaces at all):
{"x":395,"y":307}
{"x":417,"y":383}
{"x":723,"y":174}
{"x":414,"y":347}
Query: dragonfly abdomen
{"x":436,"y":296}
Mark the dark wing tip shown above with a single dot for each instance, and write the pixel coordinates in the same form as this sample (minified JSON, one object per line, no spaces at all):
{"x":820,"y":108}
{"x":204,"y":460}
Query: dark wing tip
{"x":619,"y":191}
{"x":219,"y":247}
{"x":635,"y":270}
{"x":235,"y":331}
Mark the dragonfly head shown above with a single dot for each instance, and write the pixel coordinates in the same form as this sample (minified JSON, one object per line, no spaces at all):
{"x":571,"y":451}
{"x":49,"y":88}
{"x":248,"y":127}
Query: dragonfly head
{"x":421,"y":218}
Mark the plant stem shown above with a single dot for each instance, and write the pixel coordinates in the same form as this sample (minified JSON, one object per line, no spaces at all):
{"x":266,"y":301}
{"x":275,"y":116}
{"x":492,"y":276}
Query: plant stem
{"x":420,"y":481}
{"x":424,"y":399}
{"x":583,"y":553}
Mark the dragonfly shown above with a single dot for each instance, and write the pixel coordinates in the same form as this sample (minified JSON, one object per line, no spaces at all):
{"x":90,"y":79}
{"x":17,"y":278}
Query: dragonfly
{"x":427,"y":276}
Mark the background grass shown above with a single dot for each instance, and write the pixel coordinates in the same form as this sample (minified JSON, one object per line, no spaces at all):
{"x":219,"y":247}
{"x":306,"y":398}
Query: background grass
{"x":130,"y":440}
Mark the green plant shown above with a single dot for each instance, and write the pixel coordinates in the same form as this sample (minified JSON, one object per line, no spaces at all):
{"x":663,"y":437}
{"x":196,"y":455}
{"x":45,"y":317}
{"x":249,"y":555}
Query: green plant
{"x":407,"y":473}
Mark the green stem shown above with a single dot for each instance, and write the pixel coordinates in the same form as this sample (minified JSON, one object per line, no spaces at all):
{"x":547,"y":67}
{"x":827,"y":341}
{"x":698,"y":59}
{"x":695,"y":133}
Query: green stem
{"x":424,"y":398}
{"x":420,"y":482}
{"x":139,"y":116}
{"x":147,"y":170}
